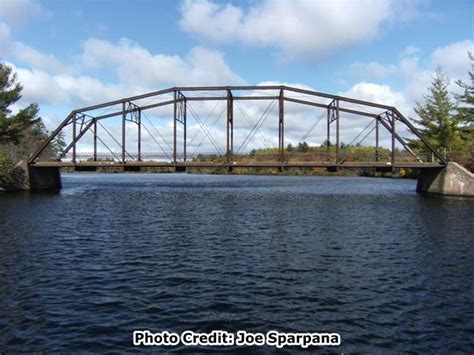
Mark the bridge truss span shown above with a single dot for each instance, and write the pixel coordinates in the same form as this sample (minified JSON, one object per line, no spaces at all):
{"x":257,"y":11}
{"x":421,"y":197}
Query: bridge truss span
{"x":238,"y":126}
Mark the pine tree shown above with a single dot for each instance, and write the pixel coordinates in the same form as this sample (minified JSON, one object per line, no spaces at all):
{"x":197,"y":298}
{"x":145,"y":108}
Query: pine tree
{"x":13,"y":126}
{"x":436,"y":117}
{"x":23,"y":132}
{"x":465,"y":108}
{"x":465,"y":115}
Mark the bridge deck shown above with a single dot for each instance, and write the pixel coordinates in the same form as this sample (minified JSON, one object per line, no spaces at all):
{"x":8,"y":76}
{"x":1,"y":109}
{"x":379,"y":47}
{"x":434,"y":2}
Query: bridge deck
{"x":155,"y":164}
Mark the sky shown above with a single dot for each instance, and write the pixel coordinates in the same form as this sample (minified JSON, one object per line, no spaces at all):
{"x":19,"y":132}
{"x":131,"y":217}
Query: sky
{"x":70,"y":54}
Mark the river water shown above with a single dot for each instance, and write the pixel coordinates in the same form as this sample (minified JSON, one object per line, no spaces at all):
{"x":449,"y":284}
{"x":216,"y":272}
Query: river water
{"x":370,"y":259}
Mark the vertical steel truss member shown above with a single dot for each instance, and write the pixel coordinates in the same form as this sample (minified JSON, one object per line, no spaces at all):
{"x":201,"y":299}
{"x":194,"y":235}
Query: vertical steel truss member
{"x":185,"y":125}
{"x":377,"y":138}
{"x":74,"y":119}
{"x":86,"y":122}
{"x":180,"y":112}
{"x":391,"y":118}
{"x":387,"y":119}
{"x":95,"y":140}
{"x":333,"y":115}
{"x":230,"y":127}
{"x":82,"y":118}
{"x":281,"y":126}
{"x":131,"y":113}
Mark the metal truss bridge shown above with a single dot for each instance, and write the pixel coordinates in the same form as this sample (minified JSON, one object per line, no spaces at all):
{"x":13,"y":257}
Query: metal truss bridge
{"x":133,"y":141}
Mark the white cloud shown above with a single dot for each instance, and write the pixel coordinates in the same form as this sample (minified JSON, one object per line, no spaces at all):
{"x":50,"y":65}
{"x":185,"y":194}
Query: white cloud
{"x":18,"y":12}
{"x":418,"y":75}
{"x":201,"y":66}
{"x":453,"y":58}
{"x":300,"y":28}
{"x":381,"y":94}
{"x":27,"y":54}
{"x":372,"y":70}
{"x":410,"y":50}
{"x":415,"y":74}
{"x":64,"y":89}
{"x":48,"y":81}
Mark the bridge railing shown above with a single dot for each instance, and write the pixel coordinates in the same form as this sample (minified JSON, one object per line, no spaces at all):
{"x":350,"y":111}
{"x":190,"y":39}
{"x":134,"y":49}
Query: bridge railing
{"x":314,"y":155}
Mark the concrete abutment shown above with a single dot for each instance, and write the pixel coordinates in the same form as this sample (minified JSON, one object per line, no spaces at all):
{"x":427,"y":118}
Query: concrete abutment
{"x":44,"y":178}
{"x":451,"y":180}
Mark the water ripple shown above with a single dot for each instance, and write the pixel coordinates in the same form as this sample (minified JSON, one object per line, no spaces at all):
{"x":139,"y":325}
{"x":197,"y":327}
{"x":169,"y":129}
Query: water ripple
{"x":367,"y":258}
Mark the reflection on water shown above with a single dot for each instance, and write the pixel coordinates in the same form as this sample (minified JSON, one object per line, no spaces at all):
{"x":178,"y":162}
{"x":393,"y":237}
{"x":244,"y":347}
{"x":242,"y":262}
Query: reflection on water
{"x":367,"y":258}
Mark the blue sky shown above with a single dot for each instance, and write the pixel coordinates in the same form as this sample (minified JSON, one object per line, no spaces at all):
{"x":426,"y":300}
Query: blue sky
{"x":74,"y":53}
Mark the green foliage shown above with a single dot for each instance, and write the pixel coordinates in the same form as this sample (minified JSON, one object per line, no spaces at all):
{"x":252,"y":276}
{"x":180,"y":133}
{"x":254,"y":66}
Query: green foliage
{"x":303,"y":147}
{"x":465,"y":109}
{"x":20,"y":133}
{"x":290,"y":148}
{"x":326,"y":143}
{"x":12,"y":127}
{"x":5,"y":167}
{"x":437,"y":117}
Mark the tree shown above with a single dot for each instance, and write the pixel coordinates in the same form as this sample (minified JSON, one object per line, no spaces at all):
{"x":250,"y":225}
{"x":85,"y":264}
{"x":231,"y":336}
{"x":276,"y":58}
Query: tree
{"x":303,"y":147}
{"x":23,"y":132}
{"x":465,"y":109}
{"x":290,"y":148}
{"x":12,"y":127}
{"x":436,"y":116}
{"x":326,"y":143}
{"x":465,"y":115}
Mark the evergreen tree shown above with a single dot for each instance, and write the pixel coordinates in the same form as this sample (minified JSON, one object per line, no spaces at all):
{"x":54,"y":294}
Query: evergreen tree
{"x":23,"y":132}
{"x":12,"y":127}
{"x":465,"y":115}
{"x":326,"y":143}
{"x":465,"y":100}
{"x":303,"y":147}
{"x":436,"y":117}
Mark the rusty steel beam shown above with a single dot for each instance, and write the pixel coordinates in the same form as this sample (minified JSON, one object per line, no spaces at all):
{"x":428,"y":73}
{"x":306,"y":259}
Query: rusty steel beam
{"x":377,"y":138}
{"x":78,"y":136}
{"x":53,"y":135}
{"x":139,"y":134}
{"x":328,"y":149}
{"x":185,"y":129}
{"x":74,"y":139}
{"x":347,"y":165}
{"x":398,"y":138}
{"x":223,"y":98}
{"x":95,"y":139}
{"x":146,"y":107}
{"x":230,"y":127}
{"x":284,"y":87}
{"x":124,"y":115}
{"x":225,"y":88}
{"x":127,"y":99}
{"x":337,"y":130}
{"x":392,"y":122}
{"x":341,"y":109}
{"x":175,"y":112}
{"x":281,"y":125}
{"x":418,"y":134}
